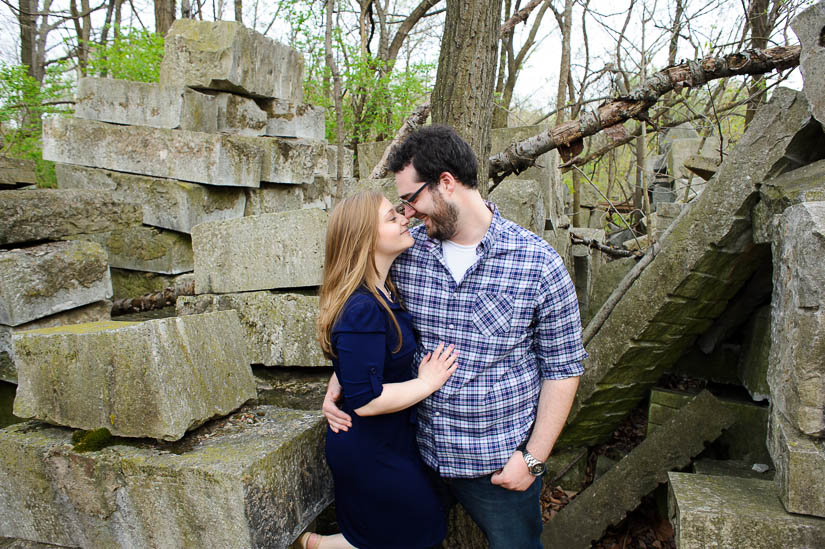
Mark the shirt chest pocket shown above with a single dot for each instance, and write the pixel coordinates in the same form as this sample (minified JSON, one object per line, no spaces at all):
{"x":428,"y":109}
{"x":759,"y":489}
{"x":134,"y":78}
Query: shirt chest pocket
{"x":492,"y":313}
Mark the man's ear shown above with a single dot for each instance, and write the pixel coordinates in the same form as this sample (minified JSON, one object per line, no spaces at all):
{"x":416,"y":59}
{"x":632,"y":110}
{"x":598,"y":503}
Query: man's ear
{"x":448,"y":182}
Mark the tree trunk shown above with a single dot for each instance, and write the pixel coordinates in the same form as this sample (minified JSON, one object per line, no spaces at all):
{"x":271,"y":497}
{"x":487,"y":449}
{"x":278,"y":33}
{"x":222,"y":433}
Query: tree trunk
{"x":566,"y":26}
{"x":239,"y":11}
{"x":164,"y":15}
{"x":758,"y":18}
{"x":463,"y":92}
{"x":26,"y":19}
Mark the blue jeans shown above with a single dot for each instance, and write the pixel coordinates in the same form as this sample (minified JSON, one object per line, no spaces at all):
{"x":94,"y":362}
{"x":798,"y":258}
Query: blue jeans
{"x":510,"y":520}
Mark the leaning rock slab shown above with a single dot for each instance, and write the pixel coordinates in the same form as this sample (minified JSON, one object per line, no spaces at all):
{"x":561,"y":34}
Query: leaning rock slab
{"x":146,"y":249}
{"x":49,"y":214}
{"x":167,"y":203}
{"x":279,"y":328}
{"x":256,"y":479}
{"x":260,"y":253}
{"x":800,"y":466}
{"x":809,"y":27}
{"x":521,"y":201}
{"x":226,"y":56}
{"x":154,"y":379}
{"x":51,"y":278}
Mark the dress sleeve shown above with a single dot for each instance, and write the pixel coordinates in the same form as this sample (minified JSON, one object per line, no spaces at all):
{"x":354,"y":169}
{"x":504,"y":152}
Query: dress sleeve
{"x":360,"y":342}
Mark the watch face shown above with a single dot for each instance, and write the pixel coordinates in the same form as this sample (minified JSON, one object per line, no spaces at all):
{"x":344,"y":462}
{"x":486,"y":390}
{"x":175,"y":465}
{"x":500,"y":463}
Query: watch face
{"x":537,"y":469}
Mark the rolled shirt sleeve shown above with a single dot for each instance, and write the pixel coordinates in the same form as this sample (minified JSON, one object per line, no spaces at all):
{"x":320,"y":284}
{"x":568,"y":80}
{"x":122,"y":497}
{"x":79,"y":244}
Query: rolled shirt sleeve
{"x":360,"y":343}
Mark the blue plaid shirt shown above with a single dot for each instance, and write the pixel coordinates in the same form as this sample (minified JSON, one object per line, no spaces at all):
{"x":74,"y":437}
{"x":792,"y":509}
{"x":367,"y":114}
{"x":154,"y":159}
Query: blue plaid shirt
{"x":514,"y":319}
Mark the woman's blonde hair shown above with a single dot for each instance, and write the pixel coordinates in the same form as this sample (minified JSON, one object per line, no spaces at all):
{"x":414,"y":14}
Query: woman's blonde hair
{"x":350,"y":262}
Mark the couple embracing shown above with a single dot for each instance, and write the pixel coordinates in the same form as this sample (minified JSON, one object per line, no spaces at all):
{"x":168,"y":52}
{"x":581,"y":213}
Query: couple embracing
{"x":457,"y":353}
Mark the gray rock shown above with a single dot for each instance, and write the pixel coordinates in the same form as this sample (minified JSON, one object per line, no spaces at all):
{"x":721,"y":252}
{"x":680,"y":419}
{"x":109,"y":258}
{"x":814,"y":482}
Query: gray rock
{"x":141,"y":248}
{"x":756,"y":352}
{"x":155,"y":379}
{"x":128,"y":284}
{"x":682,"y":131}
{"x":226,"y":56}
{"x":680,"y":150}
{"x":95,"y":312}
{"x":273,"y":198}
{"x":51,"y":214}
{"x":51,"y":278}
{"x":167,"y":203}
{"x":559,"y":240}
{"x":607,"y":279}
{"x":800,"y":466}
{"x":239,"y":115}
{"x":808,"y":27}
{"x":722,"y":511}
{"x":260,"y":252}
{"x":732,"y":468}
{"x":777,"y":194}
{"x":521,"y":201}
{"x":279,"y":328}
{"x":703,"y":166}
{"x":369,"y":155}
{"x":256,"y":479}
{"x":287,"y":119}
{"x":16,"y":171}
{"x":300,"y":389}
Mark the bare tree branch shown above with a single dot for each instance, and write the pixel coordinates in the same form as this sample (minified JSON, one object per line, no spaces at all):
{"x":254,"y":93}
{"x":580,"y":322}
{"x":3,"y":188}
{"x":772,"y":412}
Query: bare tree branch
{"x":518,"y":17}
{"x":418,"y":117}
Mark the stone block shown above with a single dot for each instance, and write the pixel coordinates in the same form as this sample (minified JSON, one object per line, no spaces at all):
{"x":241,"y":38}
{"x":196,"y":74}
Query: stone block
{"x":559,"y":240}
{"x":226,"y":56}
{"x":256,"y":479}
{"x":279,"y":329}
{"x":142,"y":248}
{"x":607,"y":279}
{"x":297,"y":388}
{"x":95,"y":312}
{"x":732,"y":468}
{"x":264,"y":252}
{"x":128,"y":284}
{"x":167,"y":203}
{"x":239,"y":115}
{"x":369,"y":154}
{"x":805,"y":184}
{"x":332,"y":161}
{"x":16,"y":171}
{"x":51,"y":278}
{"x":680,"y":150}
{"x":703,"y":166}
{"x":51,"y":214}
{"x":145,"y":104}
{"x":719,"y":511}
{"x":808,"y":27}
{"x":155,"y":379}
{"x":273,"y":198}
{"x":287,"y":119}
{"x":756,"y":352}
{"x":800,"y":466}
{"x":521,"y":201}
{"x":620,"y":489}
{"x":567,"y":468}
{"x":796,"y":374}
{"x":669,"y":210}
{"x":682,"y":131}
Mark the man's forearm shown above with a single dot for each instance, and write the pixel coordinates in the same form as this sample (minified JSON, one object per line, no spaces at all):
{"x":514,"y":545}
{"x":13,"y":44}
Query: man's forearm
{"x":555,"y":400}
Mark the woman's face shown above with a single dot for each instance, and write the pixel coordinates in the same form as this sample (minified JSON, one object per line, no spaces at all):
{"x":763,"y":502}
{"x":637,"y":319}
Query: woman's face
{"x":393,"y":236}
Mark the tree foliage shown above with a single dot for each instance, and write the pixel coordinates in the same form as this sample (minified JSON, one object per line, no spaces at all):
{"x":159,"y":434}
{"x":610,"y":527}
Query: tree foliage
{"x":134,"y":54}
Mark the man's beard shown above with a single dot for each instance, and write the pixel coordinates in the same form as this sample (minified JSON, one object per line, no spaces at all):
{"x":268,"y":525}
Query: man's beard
{"x":443,"y":220}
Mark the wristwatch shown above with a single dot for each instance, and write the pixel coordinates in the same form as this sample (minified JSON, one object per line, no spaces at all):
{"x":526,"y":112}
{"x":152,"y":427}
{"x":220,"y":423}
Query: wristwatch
{"x":535,"y":466}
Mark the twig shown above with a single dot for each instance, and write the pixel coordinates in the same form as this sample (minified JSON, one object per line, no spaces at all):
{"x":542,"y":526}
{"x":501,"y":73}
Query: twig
{"x":613,"y":206}
{"x":596,"y":245}
{"x":418,"y":117}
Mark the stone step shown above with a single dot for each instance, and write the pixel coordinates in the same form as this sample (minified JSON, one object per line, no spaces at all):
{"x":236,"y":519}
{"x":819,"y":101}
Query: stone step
{"x":718,"y":511}
{"x":167,"y":203}
{"x":34,"y":215}
{"x":800,"y":466}
{"x":50,"y":278}
{"x":621,"y":488}
{"x":264,"y":252}
{"x":255,"y":479}
{"x":279,"y":328}
{"x":226,"y":56}
{"x":155,"y":379}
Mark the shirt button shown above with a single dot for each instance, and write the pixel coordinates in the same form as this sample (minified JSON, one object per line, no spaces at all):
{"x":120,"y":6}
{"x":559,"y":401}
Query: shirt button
{"x":452,"y":326}
{"x":438,"y":413}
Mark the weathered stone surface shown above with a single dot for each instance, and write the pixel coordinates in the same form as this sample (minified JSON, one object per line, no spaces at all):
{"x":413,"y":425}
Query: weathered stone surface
{"x":682,"y":131}
{"x":796,"y":373}
{"x":167,"y":203}
{"x":521,"y":201}
{"x":145,"y":104}
{"x":255,"y":480}
{"x":260,"y":252}
{"x":808,"y":27}
{"x":800,"y":466}
{"x":279,"y":328}
{"x":130,"y":284}
{"x":287,"y":119}
{"x":239,"y":115}
{"x":50,"y":278}
{"x":559,"y":240}
{"x":332,"y":161}
{"x":16,"y":171}
{"x":154,"y":379}
{"x":620,"y":489}
{"x":713,"y":239}
{"x":226,"y":56}
{"x":273,"y":198}
{"x":718,"y":511}
{"x":732,"y":468}
{"x":607,"y":279}
{"x":703,"y":166}
{"x":142,"y":248}
{"x":369,"y":154}
{"x":680,"y":150}
{"x":756,"y":352}
{"x":50,"y":214}
{"x":804,"y":184}
{"x":567,"y":468}
{"x":95,"y":312}
{"x":212,"y":159}
{"x":297,"y":388}
{"x":10,"y":543}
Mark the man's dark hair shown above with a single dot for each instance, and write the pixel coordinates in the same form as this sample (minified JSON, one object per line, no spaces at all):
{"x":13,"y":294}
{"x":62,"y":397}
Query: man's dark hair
{"x":433,"y":150}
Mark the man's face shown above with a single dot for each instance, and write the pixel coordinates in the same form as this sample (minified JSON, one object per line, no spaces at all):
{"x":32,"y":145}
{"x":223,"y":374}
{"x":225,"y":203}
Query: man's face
{"x":440,"y":217}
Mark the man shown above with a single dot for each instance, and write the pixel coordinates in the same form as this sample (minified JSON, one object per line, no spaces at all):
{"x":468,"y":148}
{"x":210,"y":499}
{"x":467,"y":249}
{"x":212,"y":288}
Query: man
{"x":503,"y":297}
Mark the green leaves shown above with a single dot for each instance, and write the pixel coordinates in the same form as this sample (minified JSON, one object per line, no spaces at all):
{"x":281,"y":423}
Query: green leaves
{"x":134,"y":54}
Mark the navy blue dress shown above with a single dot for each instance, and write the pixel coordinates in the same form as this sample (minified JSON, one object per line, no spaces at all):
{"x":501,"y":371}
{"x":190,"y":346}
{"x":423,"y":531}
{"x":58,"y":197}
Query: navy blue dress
{"x":384,"y":497}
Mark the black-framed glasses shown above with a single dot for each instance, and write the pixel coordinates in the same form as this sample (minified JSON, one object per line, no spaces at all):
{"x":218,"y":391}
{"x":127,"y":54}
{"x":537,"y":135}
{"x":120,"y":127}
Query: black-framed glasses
{"x":409,"y":201}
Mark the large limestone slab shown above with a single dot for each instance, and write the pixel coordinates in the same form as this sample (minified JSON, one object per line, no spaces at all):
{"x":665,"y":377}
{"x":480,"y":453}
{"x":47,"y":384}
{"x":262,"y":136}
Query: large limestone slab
{"x":167,"y":203}
{"x":128,"y":284}
{"x":239,"y":115}
{"x":95,"y":312}
{"x":51,"y":278}
{"x":154,"y":379}
{"x":521,"y":201}
{"x":142,"y":248}
{"x":226,"y":56}
{"x":49,"y":214}
{"x":288,"y":119}
{"x":264,"y":252}
{"x":279,"y":328}
{"x":777,"y":194}
{"x":800,"y":466}
{"x":719,"y":511}
{"x":16,"y":171}
{"x":756,"y":351}
{"x":256,"y":479}
{"x":809,"y":27}
{"x":273,"y":198}
{"x":796,"y":372}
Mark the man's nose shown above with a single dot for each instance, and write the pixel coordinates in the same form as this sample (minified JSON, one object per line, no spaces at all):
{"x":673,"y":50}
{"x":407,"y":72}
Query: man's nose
{"x":409,"y":212}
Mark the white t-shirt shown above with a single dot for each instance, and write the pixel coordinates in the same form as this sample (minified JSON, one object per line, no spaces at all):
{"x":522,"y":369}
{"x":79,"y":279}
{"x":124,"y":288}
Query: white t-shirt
{"x":459,"y":258}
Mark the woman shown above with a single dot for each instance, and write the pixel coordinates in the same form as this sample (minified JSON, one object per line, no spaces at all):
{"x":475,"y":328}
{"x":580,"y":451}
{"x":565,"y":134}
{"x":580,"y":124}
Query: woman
{"x":383,"y":494}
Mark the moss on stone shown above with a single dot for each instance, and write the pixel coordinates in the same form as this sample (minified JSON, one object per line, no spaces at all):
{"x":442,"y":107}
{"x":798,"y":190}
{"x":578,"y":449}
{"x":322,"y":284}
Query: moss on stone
{"x":91,"y":441}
